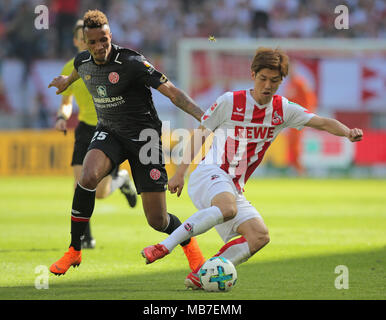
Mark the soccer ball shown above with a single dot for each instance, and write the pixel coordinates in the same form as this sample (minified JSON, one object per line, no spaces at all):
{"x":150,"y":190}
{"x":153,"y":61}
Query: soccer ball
{"x":218,"y":274}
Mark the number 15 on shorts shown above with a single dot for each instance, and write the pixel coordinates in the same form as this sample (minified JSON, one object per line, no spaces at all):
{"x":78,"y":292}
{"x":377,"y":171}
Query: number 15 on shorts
{"x":99,"y":135}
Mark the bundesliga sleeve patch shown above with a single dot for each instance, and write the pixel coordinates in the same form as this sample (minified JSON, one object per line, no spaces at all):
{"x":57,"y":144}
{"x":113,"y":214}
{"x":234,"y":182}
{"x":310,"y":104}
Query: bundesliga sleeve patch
{"x":149,"y":66}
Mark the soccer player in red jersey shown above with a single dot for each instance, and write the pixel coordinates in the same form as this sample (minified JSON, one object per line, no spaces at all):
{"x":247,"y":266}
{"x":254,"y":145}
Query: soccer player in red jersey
{"x":244,"y":124}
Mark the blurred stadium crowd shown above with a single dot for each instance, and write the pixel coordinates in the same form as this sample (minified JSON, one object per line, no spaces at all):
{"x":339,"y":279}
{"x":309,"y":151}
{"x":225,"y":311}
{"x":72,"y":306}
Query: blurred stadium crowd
{"x":154,"y":27}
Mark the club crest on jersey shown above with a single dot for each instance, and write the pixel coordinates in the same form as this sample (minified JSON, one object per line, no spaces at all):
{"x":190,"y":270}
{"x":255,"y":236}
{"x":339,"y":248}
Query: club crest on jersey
{"x":215,"y":176}
{"x":101,"y":90}
{"x":113,"y":77}
{"x":155,"y":174}
{"x":277,"y":119}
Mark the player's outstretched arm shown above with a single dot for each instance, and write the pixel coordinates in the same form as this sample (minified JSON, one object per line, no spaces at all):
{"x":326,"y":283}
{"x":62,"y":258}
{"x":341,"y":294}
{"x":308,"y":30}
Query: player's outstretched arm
{"x":196,"y":141}
{"x":335,"y":127}
{"x":181,"y":99}
{"x":63,"y":82}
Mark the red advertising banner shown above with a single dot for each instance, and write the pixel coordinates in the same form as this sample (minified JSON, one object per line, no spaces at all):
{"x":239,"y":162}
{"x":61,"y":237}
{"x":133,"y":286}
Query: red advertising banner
{"x":372,"y":149}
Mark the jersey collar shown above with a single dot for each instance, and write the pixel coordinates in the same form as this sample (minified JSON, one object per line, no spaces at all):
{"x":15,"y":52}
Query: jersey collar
{"x":114,"y":58}
{"x":260,"y":106}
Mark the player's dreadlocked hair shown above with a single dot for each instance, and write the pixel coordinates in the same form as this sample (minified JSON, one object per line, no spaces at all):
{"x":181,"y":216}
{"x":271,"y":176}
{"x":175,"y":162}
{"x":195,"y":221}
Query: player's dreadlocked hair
{"x":274,"y":59}
{"x":94,"y":19}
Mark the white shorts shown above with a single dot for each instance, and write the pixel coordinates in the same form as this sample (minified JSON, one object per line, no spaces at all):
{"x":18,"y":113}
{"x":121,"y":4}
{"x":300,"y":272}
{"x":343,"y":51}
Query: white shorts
{"x":209,"y":180}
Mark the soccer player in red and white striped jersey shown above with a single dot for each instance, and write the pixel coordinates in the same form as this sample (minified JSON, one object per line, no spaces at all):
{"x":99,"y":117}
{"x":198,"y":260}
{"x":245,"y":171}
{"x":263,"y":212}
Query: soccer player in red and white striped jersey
{"x":244,"y":129}
{"x":244,"y":123}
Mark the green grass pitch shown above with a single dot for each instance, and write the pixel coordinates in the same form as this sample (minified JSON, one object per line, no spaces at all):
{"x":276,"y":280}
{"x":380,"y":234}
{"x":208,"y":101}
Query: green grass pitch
{"x":315,"y":226}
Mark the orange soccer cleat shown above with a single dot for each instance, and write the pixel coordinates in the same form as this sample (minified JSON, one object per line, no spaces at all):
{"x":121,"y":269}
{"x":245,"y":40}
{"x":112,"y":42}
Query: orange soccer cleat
{"x":71,"y":258}
{"x":193,"y":254}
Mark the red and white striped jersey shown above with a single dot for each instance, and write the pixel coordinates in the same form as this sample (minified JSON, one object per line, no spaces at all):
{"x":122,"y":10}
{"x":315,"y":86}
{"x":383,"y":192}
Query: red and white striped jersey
{"x":244,"y":130}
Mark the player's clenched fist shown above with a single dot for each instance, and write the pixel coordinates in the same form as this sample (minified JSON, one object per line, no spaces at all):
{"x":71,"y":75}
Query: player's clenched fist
{"x":176,"y":184}
{"x":60,"y":83}
{"x":355,"y":135}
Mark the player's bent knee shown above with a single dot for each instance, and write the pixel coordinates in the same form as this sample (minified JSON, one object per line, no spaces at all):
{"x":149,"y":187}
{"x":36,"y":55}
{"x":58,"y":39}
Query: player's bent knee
{"x":90,"y":177}
{"x":89,"y":180}
{"x":226,"y":204}
{"x":227,"y":208}
{"x":157,"y":224}
{"x":229,"y":211}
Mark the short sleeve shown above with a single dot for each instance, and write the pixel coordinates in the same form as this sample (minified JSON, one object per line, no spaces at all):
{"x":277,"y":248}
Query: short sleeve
{"x":296,"y":115}
{"x":145,"y":73}
{"x":78,"y":60}
{"x":216,"y":114}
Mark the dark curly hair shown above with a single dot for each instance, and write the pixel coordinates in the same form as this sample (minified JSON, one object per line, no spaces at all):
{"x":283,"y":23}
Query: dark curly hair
{"x":94,"y":19}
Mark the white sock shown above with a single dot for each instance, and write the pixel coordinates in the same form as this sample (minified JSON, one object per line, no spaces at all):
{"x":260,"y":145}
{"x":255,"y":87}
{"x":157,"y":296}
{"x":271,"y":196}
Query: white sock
{"x":198,"y":223}
{"x":237,"y":251}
